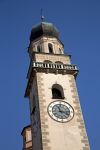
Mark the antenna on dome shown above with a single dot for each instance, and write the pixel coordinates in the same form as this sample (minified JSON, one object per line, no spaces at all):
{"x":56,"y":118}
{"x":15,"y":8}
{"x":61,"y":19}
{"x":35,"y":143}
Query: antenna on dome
{"x":42,"y":17}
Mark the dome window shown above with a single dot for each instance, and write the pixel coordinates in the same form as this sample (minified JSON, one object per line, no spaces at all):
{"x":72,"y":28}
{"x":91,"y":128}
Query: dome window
{"x":50,"y":48}
{"x":38,"y":48}
{"x":60,"y":51}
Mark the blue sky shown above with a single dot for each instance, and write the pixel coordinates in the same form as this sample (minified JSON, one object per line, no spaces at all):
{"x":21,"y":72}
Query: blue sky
{"x":79,"y":25}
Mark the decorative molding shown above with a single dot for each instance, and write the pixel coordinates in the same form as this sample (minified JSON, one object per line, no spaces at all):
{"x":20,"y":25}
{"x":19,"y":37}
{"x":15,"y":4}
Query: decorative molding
{"x":43,"y":113}
{"x":81,"y":126}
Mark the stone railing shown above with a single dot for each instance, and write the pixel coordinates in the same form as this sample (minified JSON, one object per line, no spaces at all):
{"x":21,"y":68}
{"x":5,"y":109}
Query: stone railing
{"x":54,"y":66}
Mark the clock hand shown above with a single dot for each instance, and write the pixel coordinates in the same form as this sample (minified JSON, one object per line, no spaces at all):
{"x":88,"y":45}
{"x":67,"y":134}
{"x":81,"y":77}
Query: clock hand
{"x":64,"y":111}
{"x":60,"y":109}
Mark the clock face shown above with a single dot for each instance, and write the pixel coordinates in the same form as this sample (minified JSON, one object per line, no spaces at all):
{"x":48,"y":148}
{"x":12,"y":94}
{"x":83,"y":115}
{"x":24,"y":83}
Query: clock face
{"x":60,"y":111}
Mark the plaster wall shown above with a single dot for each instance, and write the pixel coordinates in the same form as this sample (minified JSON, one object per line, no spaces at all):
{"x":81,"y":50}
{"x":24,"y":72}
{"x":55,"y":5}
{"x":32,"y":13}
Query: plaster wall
{"x":53,"y":58}
{"x":61,"y":136}
{"x":29,"y":135}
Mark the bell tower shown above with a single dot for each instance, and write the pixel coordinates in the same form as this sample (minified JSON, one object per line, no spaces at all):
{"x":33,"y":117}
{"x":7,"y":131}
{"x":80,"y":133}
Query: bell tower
{"x":55,"y":112}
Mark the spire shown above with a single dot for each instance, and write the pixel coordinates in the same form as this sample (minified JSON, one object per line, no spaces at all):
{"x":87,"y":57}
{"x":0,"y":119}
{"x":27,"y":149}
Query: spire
{"x":42,"y":16}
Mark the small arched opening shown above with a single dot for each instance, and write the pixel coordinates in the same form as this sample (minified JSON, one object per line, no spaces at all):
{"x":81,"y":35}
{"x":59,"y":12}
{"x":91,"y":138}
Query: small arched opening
{"x":57,"y":92}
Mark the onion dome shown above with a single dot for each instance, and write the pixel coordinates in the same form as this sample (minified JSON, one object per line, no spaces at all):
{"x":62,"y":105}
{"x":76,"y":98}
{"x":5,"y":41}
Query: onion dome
{"x":44,"y":29}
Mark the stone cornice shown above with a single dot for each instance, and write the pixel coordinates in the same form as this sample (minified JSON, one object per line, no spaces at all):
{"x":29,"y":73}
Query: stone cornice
{"x":48,"y":68}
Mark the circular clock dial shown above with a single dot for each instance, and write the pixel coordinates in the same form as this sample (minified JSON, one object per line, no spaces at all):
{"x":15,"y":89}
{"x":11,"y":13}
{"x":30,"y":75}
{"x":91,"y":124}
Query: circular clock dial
{"x":60,"y":111}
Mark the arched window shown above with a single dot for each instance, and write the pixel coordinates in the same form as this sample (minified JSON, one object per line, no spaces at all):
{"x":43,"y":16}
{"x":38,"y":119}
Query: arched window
{"x":50,"y":48}
{"x":38,"y":48}
{"x":57,"y":92}
{"x":47,"y":61}
{"x":59,"y":62}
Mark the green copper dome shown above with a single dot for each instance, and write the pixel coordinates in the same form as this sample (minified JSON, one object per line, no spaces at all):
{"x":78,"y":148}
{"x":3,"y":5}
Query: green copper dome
{"x":44,"y":28}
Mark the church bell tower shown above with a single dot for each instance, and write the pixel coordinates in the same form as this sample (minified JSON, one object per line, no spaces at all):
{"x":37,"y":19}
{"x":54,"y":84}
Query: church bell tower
{"x":55,"y":112}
